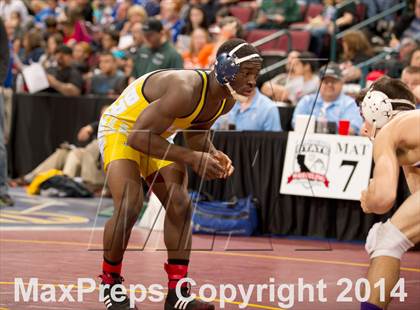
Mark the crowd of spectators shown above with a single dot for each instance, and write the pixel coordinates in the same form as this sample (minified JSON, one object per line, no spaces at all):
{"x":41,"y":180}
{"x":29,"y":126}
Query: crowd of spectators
{"x":97,"y":47}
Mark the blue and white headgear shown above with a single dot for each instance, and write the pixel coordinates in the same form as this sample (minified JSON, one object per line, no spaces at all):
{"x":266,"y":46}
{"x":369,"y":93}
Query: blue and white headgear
{"x":228,"y":64}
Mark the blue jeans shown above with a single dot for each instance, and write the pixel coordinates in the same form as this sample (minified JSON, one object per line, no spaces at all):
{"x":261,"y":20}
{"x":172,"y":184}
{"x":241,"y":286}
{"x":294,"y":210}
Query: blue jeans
{"x":3,"y":153}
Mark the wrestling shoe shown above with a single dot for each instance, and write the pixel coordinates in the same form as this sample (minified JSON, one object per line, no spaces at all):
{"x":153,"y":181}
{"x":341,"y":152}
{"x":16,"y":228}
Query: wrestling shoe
{"x":173,"y":302}
{"x":111,"y":280}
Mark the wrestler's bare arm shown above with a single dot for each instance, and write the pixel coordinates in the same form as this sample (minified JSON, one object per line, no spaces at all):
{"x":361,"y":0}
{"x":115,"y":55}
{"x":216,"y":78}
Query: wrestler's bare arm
{"x":157,"y":118}
{"x":382,"y":190}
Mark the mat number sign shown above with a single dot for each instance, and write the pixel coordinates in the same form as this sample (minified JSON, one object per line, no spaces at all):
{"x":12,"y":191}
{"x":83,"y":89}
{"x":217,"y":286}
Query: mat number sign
{"x":329,"y":166}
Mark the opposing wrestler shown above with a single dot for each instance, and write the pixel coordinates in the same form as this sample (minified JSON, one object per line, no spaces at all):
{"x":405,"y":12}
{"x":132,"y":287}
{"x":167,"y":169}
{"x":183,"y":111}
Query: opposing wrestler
{"x":388,"y":108}
{"x":133,"y":137}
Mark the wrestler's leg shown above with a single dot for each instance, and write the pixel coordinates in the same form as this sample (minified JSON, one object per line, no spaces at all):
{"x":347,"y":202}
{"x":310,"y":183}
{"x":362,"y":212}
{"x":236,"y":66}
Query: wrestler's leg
{"x":407,"y":221}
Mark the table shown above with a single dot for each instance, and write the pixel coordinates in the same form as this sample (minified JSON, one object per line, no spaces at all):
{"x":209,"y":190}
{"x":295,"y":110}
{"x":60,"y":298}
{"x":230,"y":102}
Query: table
{"x":41,"y":122}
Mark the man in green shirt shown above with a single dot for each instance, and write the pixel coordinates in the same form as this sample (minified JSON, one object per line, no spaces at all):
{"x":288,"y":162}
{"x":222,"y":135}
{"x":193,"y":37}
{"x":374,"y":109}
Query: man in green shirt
{"x":277,"y":14}
{"x":158,"y":54}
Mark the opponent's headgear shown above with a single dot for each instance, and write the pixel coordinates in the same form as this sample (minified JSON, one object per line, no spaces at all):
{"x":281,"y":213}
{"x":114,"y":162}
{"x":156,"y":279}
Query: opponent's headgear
{"x":378,"y":108}
{"x":228,"y":64}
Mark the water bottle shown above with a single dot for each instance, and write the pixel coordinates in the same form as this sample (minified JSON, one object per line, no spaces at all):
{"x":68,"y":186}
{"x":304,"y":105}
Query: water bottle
{"x":322,"y":122}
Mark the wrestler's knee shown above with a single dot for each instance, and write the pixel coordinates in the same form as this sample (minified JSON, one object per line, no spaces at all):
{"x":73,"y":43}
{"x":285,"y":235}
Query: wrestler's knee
{"x":385,"y":239}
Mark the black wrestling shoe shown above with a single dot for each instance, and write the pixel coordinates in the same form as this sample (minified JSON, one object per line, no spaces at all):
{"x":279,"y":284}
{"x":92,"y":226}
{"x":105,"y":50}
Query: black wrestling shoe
{"x":108,"y":301}
{"x":173,"y":302}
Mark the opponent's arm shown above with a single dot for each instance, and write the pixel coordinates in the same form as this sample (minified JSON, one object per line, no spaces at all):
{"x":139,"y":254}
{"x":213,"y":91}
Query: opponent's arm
{"x":156,"y":119}
{"x":382,"y":190}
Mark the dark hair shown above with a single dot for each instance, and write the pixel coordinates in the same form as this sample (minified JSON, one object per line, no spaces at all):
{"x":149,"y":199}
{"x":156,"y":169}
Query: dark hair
{"x":393,"y":88}
{"x":188,"y":28}
{"x":115,"y":36}
{"x":242,"y":52}
{"x":412,"y":69}
{"x":308,"y":58}
{"x":64,"y":49}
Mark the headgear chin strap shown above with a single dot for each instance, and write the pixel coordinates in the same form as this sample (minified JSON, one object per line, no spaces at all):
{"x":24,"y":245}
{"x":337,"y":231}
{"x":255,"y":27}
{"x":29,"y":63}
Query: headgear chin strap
{"x":227,"y":66}
{"x":378,"y":109}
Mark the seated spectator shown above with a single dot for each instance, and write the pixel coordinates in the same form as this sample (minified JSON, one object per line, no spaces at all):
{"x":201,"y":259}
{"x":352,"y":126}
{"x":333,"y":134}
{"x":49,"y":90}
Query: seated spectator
{"x":200,"y":50}
{"x":196,"y":18}
{"x":48,"y":59}
{"x":7,"y":7}
{"x":407,"y":26}
{"x":108,"y":81}
{"x":258,"y":113}
{"x":65,"y":79}
{"x":301,"y":81}
{"x":404,"y":57}
{"x":50,"y":27}
{"x":274,"y":14}
{"x":42,"y":10}
{"x":356,"y":49}
{"x":323,"y":24}
{"x":83,"y":162}
{"x":411,"y":77}
{"x":158,"y":54}
{"x":138,"y":38}
{"x":74,"y":28}
{"x":230,"y":27}
{"x":170,"y":17}
{"x":414,"y":58}
{"x":81,"y":54}
{"x":331,"y":103}
{"x":32,"y":45}
{"x":136,"y":14}
{"x":109,"y":41}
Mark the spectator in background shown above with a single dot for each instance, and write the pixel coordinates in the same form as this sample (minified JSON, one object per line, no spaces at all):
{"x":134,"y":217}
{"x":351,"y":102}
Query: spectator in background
{"x":200,"y":50}
{"x":414,"y":58}
{"x":5,"y":199}
{"x":407,"y":26}
{"x":65,"y":79}
{"x":230,"y":27}
{"x":81,"y":54}
{"x":74,"y":28}
{"x":7,"y":7}
{"x":322,"y":25}
{"x":258,"y":113}
{"x":158,"y":54}
{"x":6,"y":89}
{"x":301,"y":81}
{"x":396,"y":63}
{"x":138,"y":38}
{"x":276,"y":14}
{"x":135,"y":14}
{"x":42,"y":11}
{"x":196,"y":18}
{"x":110,"y":40}
{"x":411,"y":77}
{"x":331,"y":104}
{"x":50,"y":27}
{"x":356,"y":49}
{"x":48,"y":59}
{"x":108,"y":81}
{"x":170,"y":17}
{"x":32,"y":46}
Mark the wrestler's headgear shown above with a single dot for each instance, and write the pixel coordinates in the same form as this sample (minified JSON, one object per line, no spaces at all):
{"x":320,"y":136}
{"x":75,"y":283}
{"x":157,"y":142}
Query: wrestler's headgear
{"x":227,"y":67}
{"x":378,"y":109}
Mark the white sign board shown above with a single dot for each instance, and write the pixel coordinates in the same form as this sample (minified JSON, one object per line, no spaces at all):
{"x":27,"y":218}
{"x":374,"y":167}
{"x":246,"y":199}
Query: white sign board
{"x":329,"y":166}
{"x":35,"y":77}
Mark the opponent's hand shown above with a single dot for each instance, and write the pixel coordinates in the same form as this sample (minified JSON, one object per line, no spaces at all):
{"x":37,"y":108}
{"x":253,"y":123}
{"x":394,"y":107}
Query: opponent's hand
{"x":226,"y":163}
{"x":207,"y":166}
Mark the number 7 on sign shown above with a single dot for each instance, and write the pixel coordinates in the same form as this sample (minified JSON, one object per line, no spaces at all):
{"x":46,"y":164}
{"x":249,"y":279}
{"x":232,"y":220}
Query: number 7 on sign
{"x":352,"y":163}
